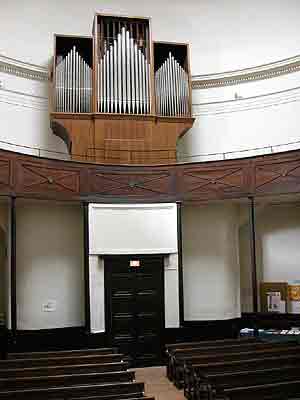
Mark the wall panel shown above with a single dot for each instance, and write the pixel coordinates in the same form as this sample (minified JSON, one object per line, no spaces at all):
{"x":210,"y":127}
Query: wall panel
{"x":133,"y":229}
{"x":210,"y":263}
{"x":49,"y":266}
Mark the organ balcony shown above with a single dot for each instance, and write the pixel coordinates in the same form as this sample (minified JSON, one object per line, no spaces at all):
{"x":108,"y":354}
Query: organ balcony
{"x":118,"y":97}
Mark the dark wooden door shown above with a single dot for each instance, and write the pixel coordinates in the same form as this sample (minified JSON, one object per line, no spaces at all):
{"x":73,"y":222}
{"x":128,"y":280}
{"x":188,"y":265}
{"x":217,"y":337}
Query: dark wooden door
{"x":135,"y":307}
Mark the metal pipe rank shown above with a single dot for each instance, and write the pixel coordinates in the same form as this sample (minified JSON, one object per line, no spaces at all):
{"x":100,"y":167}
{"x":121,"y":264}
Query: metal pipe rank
{"x":171,"y":89}
{"x":123,"y":74}
{"x":73,"y":84}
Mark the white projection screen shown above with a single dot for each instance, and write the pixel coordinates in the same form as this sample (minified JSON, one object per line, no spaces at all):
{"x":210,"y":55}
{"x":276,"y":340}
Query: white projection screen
{"x":133,"y":228}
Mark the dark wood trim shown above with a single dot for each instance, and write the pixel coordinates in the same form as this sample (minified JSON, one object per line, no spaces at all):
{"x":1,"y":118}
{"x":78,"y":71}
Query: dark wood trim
{"x":13,"y":270}
{"x":192,"y":183}
{"x":253,"y":253}
{"x":180,"y":264}
{"x":56,"y":339}
{"x":86,"y":252}
{"x":203,"y":330}
{"x":262,"y":320}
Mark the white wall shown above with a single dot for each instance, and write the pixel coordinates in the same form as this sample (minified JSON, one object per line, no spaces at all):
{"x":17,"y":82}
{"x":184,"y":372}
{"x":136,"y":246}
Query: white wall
{"x":277,"y":248}
{"x":279,"y":238}
{"x":210,"y":262}
{"x":97,"y":291}
{"x":171,"y":291}
{"x":133,"y":229}
{"x":266,"y":114}
{"x":24,"y":116}
{"x":224,"y":35}
{"x":49,"y":265}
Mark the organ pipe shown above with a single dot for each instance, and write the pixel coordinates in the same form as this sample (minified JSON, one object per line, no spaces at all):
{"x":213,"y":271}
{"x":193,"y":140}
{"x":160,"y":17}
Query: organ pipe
{"x":172,"y":89}
{"x":122,"y":78}
{"x":73,"y":84}
{"x":123,"y":71}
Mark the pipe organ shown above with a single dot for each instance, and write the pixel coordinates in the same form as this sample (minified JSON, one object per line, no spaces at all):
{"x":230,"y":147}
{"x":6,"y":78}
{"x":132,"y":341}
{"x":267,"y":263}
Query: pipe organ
{"x":172,"y":88}
{"x":118,"y":97}
{"x":73,"y":84}
{"x":123,"y":67}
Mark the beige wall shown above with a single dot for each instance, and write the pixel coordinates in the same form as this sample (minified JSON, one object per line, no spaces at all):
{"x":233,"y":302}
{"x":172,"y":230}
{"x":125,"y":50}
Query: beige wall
{"x":210,"y":262}
{"x":277,"y":248}
{"x":279,"y":240}
{"x":49,"y":265}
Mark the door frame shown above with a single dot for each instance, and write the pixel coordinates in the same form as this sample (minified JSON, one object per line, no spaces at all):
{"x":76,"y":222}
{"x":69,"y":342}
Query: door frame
{"x":107,"y":296}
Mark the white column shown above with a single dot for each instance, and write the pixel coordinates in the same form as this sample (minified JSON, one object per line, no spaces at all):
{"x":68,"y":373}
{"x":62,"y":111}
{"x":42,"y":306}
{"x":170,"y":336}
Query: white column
{"x":171,"y":291}
{"x":97,"y":306}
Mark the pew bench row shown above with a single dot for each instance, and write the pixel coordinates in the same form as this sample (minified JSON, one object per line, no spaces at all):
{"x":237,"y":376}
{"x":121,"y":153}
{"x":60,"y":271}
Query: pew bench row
{"x":236,"y":371}
{"x":92,"y":374}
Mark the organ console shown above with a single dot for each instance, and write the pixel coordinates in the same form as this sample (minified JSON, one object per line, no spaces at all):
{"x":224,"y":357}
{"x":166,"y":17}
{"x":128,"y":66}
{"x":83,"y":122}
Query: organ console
{"x":117,"y":96}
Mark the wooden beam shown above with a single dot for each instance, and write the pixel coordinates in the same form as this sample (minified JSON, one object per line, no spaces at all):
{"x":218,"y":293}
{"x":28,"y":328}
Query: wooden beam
{"x":180,"y":265}
{"x":85,"y":207}
{"x":13,"y":269}
{"x":252,"y":226}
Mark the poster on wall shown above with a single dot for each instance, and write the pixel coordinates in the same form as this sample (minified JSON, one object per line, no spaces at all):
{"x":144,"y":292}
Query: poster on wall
{"x":294,"y":297}
{"x":273,"y":297}
{"x":273,"y":301}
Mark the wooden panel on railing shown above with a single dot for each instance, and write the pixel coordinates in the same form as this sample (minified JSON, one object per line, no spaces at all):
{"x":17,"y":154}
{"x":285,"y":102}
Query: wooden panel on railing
{"x":30,"y":176}
{"x":141,"y":183}
{"x":278,"y":174}
{"x":5,"y":175}
{"x":216,"y":180}
{"x":47,"y":178}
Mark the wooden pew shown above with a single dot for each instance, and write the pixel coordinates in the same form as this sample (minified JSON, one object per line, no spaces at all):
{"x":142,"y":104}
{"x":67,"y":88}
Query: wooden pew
{"x":229,"y":355}
{"x":193,"y":373}
{"x":206,"y":343}
{"x":217,"y":384}
{"x":63,"y":370}
{"x":274,"y":391}
{"x":62,"y":353}
{"x":104,"y":392}
{"x":172,"y":348}
{"x":179,"y":357}
{"x":66,"y":380}
{"x":55,"y":361}
{"x":92,"y":374}
{"x":180,"y":354}
{"x":121,"y":397}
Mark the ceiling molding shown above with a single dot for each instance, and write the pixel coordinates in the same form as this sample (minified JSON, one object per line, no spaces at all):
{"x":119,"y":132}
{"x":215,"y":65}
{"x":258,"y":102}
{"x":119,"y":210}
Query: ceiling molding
{"x":261,"y":72}
{"x":22,"y":69}
{"x":266,"y":71}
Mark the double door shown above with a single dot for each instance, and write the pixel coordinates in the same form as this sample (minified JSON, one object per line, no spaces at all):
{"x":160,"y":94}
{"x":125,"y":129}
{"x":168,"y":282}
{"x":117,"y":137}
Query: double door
{"x":135,"y":306}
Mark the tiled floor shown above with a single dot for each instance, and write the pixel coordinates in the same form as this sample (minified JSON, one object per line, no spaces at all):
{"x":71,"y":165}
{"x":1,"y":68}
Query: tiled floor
{"x":157,"y":384}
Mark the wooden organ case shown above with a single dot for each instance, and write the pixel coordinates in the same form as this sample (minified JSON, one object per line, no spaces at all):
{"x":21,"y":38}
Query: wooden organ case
{"x":118,"y":97}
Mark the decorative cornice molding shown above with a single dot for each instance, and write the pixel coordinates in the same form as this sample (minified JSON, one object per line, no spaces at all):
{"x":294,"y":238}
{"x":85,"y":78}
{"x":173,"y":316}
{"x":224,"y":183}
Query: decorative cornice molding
{"x":22,"y":69}
{"x":261,"y":72}
{"x":228,"y":78}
